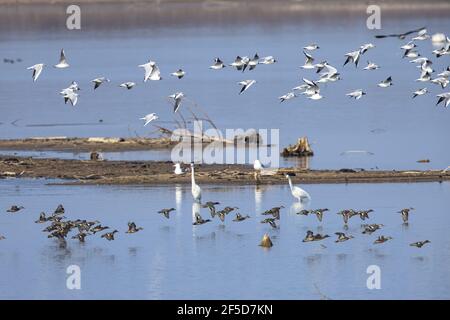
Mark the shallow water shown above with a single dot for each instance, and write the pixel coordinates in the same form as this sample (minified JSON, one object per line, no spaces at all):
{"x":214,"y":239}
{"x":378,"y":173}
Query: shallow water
{"x":173,"y":259}
{"x":387,"y":122}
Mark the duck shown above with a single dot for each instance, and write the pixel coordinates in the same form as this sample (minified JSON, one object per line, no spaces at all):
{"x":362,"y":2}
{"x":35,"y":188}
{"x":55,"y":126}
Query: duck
{"x":98,"y":228}
{"x":132,"y":228}
{"x":371,"y":228}
{"x":266,"y":242}
{"x":211,"y":206}
{"x":275,"y":212}
{"x":227,"y":209}
{"x":80,"y":236}
{"x":179,"y":73}
{"x":15,"y":208}
{"x":405,"y":214}
{"x":342,"y":237}
{"x":59,"y":210}
{"x":166,"y":212}
{"x":319,"y":213}
{"x":420,"y":244}
{"x":304,"y":212}
{"x":310,"y":236}
{"x":345,"y":214}
{"x":364,"y":214}
{"x":382,"y":239}
{"x":221,"y":214}
{"x":240,"y":217}
{"x":42,"y":218}
{"x":109,"y":235}
{"x":271,"y":222}
{"x":199,"y":220}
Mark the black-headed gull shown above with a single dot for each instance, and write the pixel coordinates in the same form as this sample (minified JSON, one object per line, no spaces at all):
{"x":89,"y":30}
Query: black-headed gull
{"x":149,"y":118}
{"x":252,"y":63}
{"x":352,"y":57}
{"x":246,"y":84}
{"x":371,"y":66}
{"x":177,"y":98}
{"x":151,"y":71}
{"x":444,"y":97}
{"x":419,"y":92}
{"x":287,"y":96}
{"x":268,"y":60}
{"x":218,"y":64}
{"x":357,"y":94}
{"x":37,"y":69}
{"x":308,"y":62}
{"x":311,"y":47}
{"x":62,"y":61}
{"x":98,"y":81}
{"x":363,"y":49}
{"x":422,"y":35}
{"x":128,"y":85}
{"x":442,"y":81}
{"x":385,"y":83}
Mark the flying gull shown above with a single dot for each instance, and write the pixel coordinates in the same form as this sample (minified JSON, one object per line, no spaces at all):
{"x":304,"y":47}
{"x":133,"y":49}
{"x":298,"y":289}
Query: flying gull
{"x":149,"y":118}
{"x":151,"y":71}
{"x":98,"y":81}
{"x":62,"y":61}
{"x":37,"y":69}
{"x":246,"y":84}
{"x":177,"y":98}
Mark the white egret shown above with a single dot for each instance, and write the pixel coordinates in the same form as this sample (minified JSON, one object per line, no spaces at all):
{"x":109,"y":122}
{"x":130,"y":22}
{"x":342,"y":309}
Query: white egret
{"x":195,"y":188}
{"x":297,"y":192}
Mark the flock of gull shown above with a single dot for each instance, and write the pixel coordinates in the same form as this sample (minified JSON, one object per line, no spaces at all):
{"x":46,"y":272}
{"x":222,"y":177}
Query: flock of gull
{"x":59,"y":227}
{"x":327,"y":73}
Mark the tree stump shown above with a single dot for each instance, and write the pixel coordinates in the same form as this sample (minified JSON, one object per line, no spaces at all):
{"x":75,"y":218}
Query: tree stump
{"x":301,"y":149}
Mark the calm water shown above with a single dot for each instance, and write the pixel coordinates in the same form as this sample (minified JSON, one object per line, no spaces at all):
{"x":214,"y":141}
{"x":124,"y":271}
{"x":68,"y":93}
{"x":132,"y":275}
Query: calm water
{"x":173,"y":259}
{"x":387,"y":122}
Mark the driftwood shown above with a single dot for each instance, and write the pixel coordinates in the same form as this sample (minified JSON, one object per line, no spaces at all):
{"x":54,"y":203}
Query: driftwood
{"x":300,"y":149}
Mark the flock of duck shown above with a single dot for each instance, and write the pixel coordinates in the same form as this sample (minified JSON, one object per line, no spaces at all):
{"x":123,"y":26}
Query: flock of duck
{"x":59,"y":227}
{"x":309,"y":88}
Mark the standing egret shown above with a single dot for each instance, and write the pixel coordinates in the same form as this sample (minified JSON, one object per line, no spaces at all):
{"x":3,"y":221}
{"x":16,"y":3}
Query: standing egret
{"x":298,"y":192}
{"x":196,"y":190}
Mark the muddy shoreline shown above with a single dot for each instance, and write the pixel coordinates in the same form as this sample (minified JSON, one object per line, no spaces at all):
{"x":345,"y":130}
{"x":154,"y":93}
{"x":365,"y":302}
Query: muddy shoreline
{"x":82,"y":172}
{"x":93,"y":144}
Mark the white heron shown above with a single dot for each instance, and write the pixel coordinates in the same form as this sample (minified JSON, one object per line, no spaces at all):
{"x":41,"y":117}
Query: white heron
{"x":196,"y":190}
{"x":297,"y":192}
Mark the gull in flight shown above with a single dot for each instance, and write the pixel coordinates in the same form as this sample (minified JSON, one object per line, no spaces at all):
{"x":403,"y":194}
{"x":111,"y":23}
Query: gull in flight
{"x":179,"y":73}
{"x":411,"y":54}
{"x":177,"y":98}
{"x":424,"y":76}
{"x":308,"y":62}
{"x":442,"y":81}
{"x":357,"y":94}
{"x":62,"y":61}
{"x":353,"y":57}
{"x":253,"y":62}
{"x":98,"y":81}
{"x":70,"y":95}
{"x":128,"y":85}
{"x":445,"y":73}
{"x":268,"y":60}
{"x":287,"y":96}
{"x":409,"y":46}
{"x":151,"y":71}
{"x":149,"y":118}
{"x":363,"y":49}
{"x":240,"y":63}
{"x":37,"y":69}
{"x":444,"y":97}
{"x":311,"y":47}
{"x":371,"y":66}
{"x":218,"y":64}
{"x":331,"y":75}
{"x":312,"y":90}
{"x":420,"y":92}
{"x":385,"y":83}
{"x":422,"y":35}
{"x":246,"y":84}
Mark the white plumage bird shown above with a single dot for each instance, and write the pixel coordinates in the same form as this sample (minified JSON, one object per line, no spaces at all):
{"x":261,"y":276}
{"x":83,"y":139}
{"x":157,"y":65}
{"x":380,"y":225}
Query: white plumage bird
{"x":149,"y":118}
{"x":151,"y":71}
{"x":297,"y":192}
{"x":195,"y":188}
{"x":37,"y":69}
{"x":62,"y":64}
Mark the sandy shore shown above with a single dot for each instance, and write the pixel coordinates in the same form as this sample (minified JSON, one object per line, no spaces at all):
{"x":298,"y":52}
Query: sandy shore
{"x":154,"y":173}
